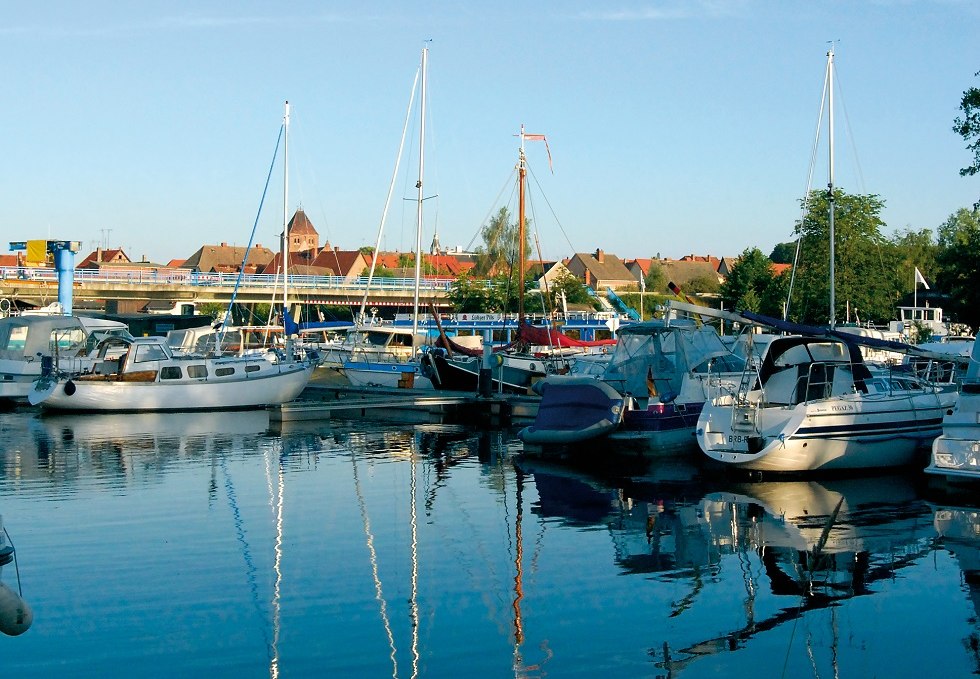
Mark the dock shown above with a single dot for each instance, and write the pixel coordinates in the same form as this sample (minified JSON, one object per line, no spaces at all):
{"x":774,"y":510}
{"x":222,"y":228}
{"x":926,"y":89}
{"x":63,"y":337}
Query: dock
{"x":406,"y":406}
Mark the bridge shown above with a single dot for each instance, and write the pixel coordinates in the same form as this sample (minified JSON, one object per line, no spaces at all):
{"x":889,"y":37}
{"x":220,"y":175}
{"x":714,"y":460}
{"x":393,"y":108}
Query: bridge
{"x":39,"y":286}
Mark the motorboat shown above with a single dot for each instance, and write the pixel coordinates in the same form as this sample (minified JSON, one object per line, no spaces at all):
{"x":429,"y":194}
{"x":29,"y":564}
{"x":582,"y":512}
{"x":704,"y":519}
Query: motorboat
{"x":956,"y":452}
{"x":28,"y":341}
{"x":658,"y":378}
{"x":144,"y":374}
{"x":815,"y":405}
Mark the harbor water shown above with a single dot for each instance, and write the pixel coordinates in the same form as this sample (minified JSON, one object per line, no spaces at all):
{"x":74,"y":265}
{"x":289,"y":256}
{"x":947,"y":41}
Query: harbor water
{"x":217,"y":545}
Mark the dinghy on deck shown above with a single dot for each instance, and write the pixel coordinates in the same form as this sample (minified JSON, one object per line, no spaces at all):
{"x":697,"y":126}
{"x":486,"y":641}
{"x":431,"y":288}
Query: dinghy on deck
{"x":574,"y":409}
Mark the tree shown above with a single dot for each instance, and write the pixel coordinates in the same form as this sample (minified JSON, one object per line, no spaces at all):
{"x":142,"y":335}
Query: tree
{"x":573,"y":289}
{"x":655,"y":280}
{"x":500,"y":244}
{"x":783,"y":253}
{"x":968,"y":127}
{"x":702,"y":284}
{"x":958,"y":262}
{"x":865,"y":280}
{"x":748,"y":283}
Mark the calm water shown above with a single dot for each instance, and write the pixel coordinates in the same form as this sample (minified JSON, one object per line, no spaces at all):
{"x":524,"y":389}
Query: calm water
{"x":210,"y":545}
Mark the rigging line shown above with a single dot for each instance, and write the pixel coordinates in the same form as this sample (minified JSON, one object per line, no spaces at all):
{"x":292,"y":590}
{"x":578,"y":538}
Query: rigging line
{"x":391,"y":190}
{"x":16,"y":564}
{"x":251,"y":237}
{"x":806,"y":195}
{"x":373,"y":556}
{"x":553,"y":214}
{"x":479,"y":231}
{"x":850,"y":132}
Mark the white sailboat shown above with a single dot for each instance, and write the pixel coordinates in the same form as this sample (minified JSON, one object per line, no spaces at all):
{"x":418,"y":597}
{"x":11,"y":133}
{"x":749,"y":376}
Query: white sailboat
{"x":815,"y":405}
{"x":392,"y":362}
{"x":144,"y":374}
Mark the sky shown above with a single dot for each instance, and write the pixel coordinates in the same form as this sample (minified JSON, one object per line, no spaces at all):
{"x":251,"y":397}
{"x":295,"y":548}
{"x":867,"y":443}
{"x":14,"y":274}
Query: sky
{"x":675,"y":127}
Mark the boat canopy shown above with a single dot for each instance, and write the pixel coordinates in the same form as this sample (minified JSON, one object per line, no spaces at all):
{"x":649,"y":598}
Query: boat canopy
{"x":652,"y":358}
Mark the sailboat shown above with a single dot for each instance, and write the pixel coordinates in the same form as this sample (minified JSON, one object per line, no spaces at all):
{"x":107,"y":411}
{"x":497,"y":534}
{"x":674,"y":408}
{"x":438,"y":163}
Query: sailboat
{"x":145,"y":374}
{"x":518,"y":365}
{"x":385,"y":356}
{"x":814,"y":404}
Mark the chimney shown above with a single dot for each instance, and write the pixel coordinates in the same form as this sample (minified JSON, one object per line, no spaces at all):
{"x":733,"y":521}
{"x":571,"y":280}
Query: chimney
{"x":98,"y":254}
{"x":224,"y":245}
{"x":336,"y":248}
{"x":600,"y":256}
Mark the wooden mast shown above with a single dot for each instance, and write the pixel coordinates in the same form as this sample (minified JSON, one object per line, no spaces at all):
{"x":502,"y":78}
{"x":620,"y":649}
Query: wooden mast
{"x":521,"y":254}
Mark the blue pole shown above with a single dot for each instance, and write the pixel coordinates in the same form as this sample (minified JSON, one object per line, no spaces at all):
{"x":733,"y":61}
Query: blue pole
{"x":64,"y":264}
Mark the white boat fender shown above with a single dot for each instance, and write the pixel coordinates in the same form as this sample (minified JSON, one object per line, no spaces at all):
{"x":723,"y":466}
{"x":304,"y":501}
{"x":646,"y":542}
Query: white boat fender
{"x":69,"y":388}
{"x":15,"y":615}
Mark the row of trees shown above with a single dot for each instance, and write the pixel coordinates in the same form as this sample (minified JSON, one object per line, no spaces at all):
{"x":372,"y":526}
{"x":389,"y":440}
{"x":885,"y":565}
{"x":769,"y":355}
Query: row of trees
{"x":873,"y":273}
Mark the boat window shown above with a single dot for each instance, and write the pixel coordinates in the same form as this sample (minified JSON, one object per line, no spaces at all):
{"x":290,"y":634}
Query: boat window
{"x":17,"y":339}
{"x":378,"y":339}
{"x":149,"y":352}
{"x":252,"y":368}
{"x":170,"y":372}
{"x":66,"y":341}
{"x":197,"y":371}
{"x":224,"y":372}
{"x":401,"y":341}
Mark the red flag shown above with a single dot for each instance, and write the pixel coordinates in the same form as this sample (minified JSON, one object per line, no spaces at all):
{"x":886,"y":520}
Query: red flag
{"x":541,"y":137}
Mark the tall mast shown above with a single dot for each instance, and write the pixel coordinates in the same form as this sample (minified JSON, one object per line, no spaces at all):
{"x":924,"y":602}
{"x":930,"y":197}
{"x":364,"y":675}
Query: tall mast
{"x":521,"y":176}
{"x":830,"y":180}
{"x":418,"y":185}
{"x":285,"y":218}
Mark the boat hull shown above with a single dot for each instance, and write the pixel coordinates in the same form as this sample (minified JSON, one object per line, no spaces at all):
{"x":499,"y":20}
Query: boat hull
{"x":459,"y":374}
{"x":956,"y":454}
{"x":390,"y":375}
{"x":848,"y":433}
{"x":572,"y":410}
{"x":270,"y":388}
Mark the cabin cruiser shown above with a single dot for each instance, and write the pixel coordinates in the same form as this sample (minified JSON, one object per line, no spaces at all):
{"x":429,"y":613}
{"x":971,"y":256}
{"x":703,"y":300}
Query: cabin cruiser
{"x":815,"y":405}
{"x":956,"y":452}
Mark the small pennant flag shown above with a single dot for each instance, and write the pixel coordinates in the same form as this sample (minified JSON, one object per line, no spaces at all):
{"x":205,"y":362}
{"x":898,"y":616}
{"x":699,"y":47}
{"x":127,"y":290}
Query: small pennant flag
{"x":920,"y":279}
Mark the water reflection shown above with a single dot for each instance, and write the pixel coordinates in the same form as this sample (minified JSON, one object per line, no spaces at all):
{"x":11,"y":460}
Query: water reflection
{"x":407,"y":552}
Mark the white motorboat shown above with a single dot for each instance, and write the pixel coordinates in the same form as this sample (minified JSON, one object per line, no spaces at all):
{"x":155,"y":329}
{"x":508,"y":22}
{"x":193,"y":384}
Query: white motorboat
{"x":817,"y":406}
{"x":956,"y":453}
{"x":143,"y":374}
{"x":28,"y":341}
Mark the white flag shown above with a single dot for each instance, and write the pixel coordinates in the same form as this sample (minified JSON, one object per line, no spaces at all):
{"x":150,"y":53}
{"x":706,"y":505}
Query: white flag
{"x":920,"y":279}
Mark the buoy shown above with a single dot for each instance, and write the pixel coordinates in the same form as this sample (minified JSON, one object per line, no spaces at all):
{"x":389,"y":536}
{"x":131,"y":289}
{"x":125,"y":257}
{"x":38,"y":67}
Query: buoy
{"x":69,"y":388}
{"x":15,"y":615}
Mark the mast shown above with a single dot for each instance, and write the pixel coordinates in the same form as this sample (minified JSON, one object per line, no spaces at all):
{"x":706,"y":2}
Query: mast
{"x":418,"y":185}
{"x":521,"y":177}
{"x":285,"y":218}
{"x":830,"y":180}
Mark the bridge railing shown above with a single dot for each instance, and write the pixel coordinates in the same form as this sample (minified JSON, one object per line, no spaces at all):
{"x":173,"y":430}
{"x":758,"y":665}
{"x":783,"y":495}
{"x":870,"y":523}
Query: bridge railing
{"x":194,"y":278}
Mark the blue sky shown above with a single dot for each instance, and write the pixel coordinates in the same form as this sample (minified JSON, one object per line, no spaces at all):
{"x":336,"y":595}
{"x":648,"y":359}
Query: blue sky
{"x":675,"y":127}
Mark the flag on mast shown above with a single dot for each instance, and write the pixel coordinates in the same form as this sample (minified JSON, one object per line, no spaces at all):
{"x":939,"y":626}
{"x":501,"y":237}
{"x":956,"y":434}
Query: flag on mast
{"x":919,"y":278}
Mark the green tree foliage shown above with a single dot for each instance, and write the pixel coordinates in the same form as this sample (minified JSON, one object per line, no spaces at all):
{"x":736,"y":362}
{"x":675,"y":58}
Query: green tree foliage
{"x":865,"y":280}
{"x":496,"y":295}
{"x":366,"y":250}
{"x":958,"y":262}
{"x":379,"y":272}
{"x":700,"y":285}
{"x":500,"y":244}
{"x":751,"y":283}
{"x":968,"y":127}
{"x":783,"y":253}
{"x":655,"y":280}
{"x":572,"y":287}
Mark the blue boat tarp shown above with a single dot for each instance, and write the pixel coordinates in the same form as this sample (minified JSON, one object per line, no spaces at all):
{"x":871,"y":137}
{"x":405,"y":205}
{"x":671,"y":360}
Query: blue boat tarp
{"x":573,"y":409}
